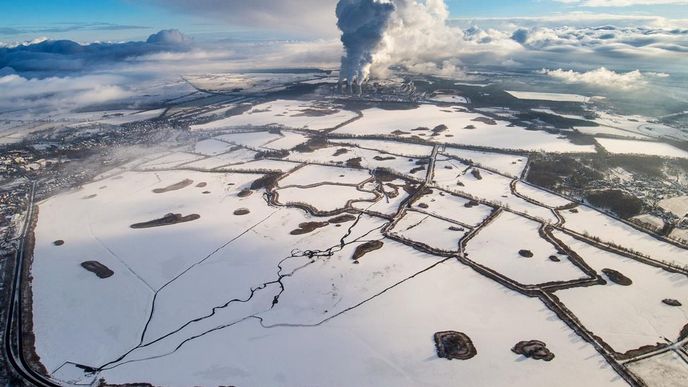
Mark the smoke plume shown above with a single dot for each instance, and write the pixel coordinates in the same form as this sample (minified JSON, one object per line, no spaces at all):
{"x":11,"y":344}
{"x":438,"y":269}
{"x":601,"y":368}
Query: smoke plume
{"x":411,"y":34}
{"x":363,"y":24}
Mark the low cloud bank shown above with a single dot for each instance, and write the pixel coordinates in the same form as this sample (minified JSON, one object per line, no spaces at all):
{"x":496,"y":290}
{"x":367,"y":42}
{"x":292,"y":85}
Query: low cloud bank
{"x":603,"y":78}
{"x":60,"y":93}
{"x":47,"y":58}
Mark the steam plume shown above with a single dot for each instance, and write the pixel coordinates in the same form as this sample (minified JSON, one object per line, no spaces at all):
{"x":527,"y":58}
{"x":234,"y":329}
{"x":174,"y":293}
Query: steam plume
{"x":363,"y":24}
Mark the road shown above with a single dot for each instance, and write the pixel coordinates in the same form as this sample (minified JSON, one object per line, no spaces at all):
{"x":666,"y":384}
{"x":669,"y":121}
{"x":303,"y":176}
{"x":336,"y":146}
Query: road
{"x":13,"y":340}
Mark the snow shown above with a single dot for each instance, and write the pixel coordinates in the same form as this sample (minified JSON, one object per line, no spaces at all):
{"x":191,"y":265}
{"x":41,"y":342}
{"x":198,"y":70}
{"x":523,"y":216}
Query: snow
{"x":429,"y":231}
{"x":448,"y":98}
{"x":388,"y":341}
{"x":249,"y":139}
{"x":605,"y":130}
{"x":79,"y":317}
{"x":259,"y":166}
{"x":541,"y":196}
{"x":552,"y":112}
{"x":387,"y":205}
{"x":251,"y":260}
{"x":557,"y":97}
{"x":237,"y":156}
{"x":609,"y":230}
{"x":324,"y":197}
{"x":665,"y":370}
{"x":370,"y":159}
{"x":384,"y":122}
{"x":680,"y":235}
{"x":236,"y":298}
{"x":492,"y":187}
{"x":650,"y":221}
{"x":508,"y":164}
{"x":391,"y":147}
{"x":497,"y":246}
{"x":641,"y":125}
{"x":211,"y":147}
{"x":71,"y":321}
{"x":314,"y":174}
{"x":447,"y":205}
{"x":617,"y":146}
{"x":288,"y":141}
{"x":285,"y":113}
{"x":627,"y":317}
{"x":677,"y":205}
{"x":170,"y":161}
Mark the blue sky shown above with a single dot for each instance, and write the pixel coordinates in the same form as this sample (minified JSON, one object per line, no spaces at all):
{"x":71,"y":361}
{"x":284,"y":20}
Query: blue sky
{"x":88,"y":20}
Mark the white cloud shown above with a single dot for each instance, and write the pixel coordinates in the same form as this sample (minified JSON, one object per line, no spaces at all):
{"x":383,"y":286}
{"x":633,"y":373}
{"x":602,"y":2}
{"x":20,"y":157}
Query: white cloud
{"x":60,"y":93}
{"x":604,"y":78}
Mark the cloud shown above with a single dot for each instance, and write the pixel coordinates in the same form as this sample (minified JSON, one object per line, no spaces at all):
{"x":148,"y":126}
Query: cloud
{"x":422,"y":37}
{"x":71,"y":77}
{"x":419,"y":39}
{"x":603,"y":78}
{"x":51,"y":57}
{"x":168,"y":38}
{"x":363,"y":24}
{"x":59,"y":93}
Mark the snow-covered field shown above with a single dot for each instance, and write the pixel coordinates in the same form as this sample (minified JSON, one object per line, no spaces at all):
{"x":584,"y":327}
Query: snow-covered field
{"x":430,"y":231}
{"x":497,"y":246}
{"x":627,"y":317}
{"x":273,"y":251}
{"x":541,"y":196}
{"x":448,"y":98}
{"x":450,"y":206}
{"x":618,"y":146}
{"x":369,"y":159}
{"x":464,"y":128}
{"x":315,"y":174}
{"x":324,"y":197}
{"x":609,"y":230}
{"x":676,"y":205}
{"x":557,"y":97}
{"x":94,"y":223}
{"x":606,"y":130}
{"x":392,"y":147}
{"x":490,"y":186}
{"x":285,"y":113}
{"x":511,"y":165}
{"x":387,"y":341}
{"x":641,"y":125}
{"x":665,"y":370}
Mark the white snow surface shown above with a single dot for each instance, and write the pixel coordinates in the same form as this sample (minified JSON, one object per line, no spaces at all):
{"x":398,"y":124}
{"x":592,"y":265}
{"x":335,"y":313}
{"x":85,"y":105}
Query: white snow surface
{"x":285,"y":113}
{"x":497,"y":246}
{"x":618,"y":146}
{"x":384,"y":122}
{"x":627,"y":317}
{"x":665,"y":370}
{"x":677,"y":205}
{"x":430,"y":231}
{"x":610,"y":230}
{"x":387,"y":341}
{"x":508,"y":164}
{"x":557,"y":97}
